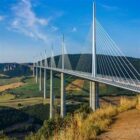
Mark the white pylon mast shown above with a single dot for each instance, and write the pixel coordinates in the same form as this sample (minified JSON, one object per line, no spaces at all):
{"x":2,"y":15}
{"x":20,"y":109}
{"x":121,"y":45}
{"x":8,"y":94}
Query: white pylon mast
{"x":63,"y":46}
{"x":46,"y":60}
{"x":51,"y":56}
{"x":94,"y":66}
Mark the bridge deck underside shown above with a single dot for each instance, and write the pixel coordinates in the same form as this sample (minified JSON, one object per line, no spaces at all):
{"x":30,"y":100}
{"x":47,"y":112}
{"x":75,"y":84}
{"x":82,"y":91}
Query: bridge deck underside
{"x":109,"y":80}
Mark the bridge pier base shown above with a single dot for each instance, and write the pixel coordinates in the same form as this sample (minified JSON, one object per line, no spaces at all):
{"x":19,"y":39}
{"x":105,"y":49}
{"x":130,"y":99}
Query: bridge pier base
{"x":94,"y":93}
{"x":40,"y":80}
{"x":45,"y":83}
{"x":63,"y":104}
{"x":51,"y":95}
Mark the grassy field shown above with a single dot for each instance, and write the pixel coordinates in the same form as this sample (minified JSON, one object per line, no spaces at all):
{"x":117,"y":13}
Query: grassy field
{"x":6,"y":97}
{"x":4,"y":80}
{"x":19,"y":103}
{"x":31,"y":89}
{"x":28,"y":90}
{"x":76,"y":90}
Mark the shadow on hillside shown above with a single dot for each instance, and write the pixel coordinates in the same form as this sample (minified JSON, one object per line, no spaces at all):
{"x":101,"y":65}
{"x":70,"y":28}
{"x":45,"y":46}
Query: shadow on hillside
{"x":75,"y":85}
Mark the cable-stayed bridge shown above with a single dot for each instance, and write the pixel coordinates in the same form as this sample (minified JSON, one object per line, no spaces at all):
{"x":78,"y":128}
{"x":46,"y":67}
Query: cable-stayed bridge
{"x":105,"y":64}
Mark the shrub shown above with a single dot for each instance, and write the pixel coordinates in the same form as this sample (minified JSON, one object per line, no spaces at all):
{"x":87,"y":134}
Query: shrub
{"x":4,"y":137}
{"x":138,"y":102}
{"x":19,"y":105}
{"x":126,"y":104}
{"x":84,"y":124}
{"x":49,"y":128}
{"x":84,"y":109}
{"x":87,"y":128}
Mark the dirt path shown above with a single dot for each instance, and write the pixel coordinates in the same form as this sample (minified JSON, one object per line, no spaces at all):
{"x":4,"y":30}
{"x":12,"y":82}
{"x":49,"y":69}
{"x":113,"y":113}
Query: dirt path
{"x":126,"y":127}
{"x":10,"y":86}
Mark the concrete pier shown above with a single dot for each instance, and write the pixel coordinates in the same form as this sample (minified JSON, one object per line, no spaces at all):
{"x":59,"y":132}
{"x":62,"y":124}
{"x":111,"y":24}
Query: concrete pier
{"x":36,"y":75}
{"x":94,"y":93}
{"x":45,"y":83}
{"x":63,"y":106}
{"x":51,"y":95}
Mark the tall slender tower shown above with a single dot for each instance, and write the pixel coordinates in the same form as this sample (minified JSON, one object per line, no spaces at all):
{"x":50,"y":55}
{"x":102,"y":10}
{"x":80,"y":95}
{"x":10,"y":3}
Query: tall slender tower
{"x":51,"y":56}
{"x":94,"y":65}
{"x":63,"y":45}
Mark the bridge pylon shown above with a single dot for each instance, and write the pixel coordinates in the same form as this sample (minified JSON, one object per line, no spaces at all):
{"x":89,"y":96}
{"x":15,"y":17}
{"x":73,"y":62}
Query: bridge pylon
{"x":94,"y":65}
{"x":45,"y":75}
{"x":63,"y":106}
{"x":51,"y":95}
{"x":94,"y":92}
{"x":94,"y":86}
{"x":63,"y":100}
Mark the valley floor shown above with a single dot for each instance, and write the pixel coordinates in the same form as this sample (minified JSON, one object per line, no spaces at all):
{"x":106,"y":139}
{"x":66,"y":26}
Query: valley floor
{"x":125,"y":127}
{"x":23,"y":102}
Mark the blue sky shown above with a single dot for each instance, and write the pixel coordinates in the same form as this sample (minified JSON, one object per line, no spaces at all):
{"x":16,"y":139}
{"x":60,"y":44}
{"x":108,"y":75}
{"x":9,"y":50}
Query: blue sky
{"x":28,"y":27}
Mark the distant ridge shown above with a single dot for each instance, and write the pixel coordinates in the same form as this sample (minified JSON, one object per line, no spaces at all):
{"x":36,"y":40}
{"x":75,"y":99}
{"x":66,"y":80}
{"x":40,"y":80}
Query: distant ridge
{"x":83,"y":61}
{"x":15,"y":69}
{"x":19,"y":69}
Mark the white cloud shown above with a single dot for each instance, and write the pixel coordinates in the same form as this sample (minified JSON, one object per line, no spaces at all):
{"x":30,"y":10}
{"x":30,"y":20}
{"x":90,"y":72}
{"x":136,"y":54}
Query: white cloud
{"x":74,"y":29}
{"x":54,"y":28}
{"x":1,"y":18}
{"x":27,"y":22}
{"x":108,"y":7}
{"x":42,"y":21}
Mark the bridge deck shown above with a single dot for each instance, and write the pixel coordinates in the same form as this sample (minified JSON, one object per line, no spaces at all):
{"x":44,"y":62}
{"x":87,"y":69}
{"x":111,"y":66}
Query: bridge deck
{"x":109,"y":80}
